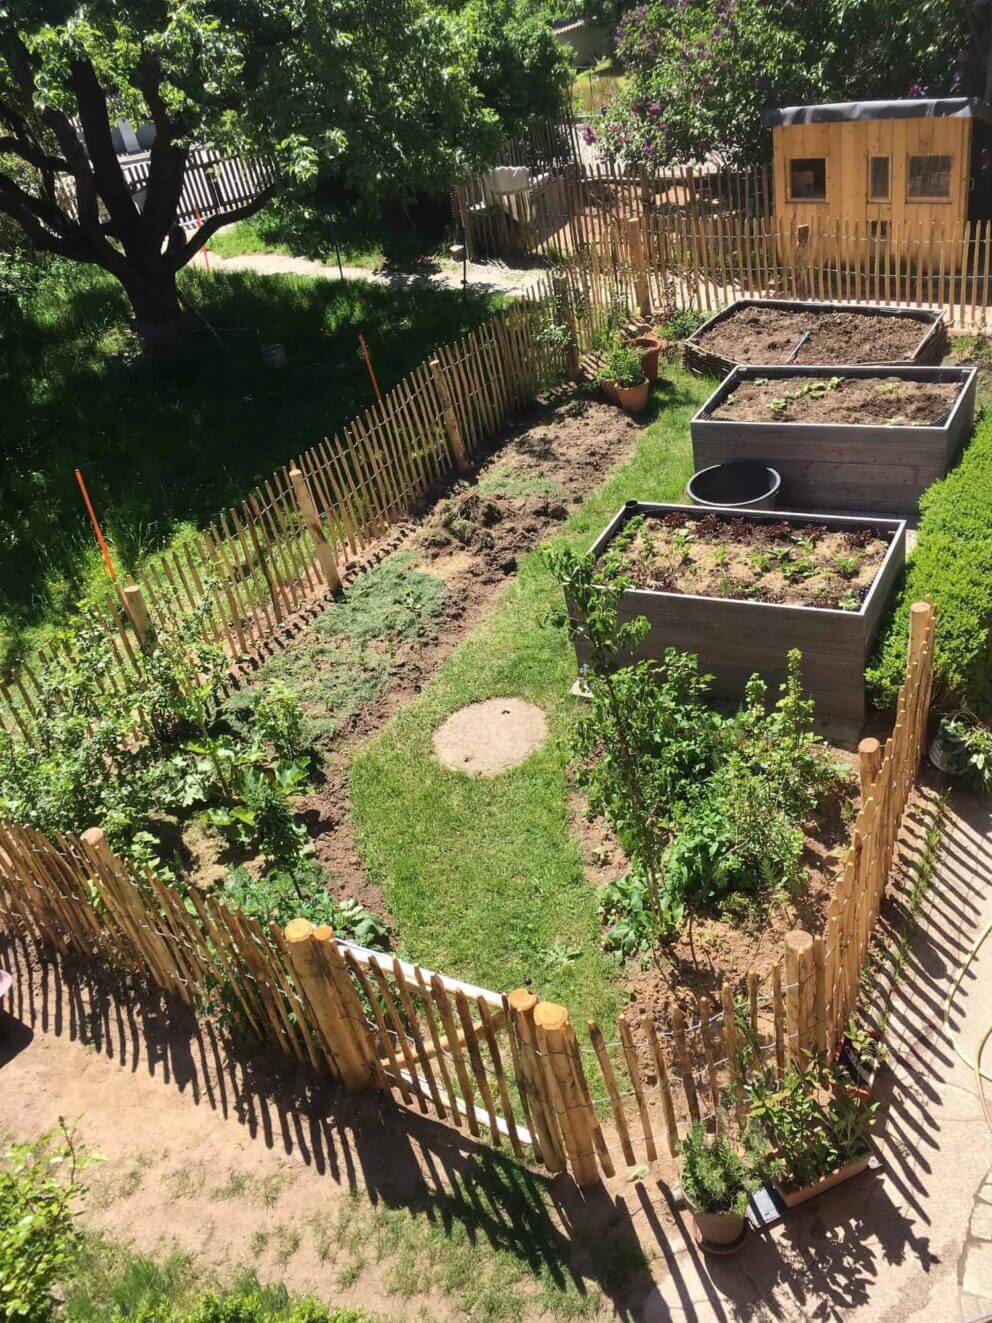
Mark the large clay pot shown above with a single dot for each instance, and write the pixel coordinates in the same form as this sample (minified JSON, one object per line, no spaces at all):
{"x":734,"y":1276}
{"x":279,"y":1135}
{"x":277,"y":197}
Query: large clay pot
{"x":650,"y":347}
{"x":719,"y":1229}
{"x":632,"y":399}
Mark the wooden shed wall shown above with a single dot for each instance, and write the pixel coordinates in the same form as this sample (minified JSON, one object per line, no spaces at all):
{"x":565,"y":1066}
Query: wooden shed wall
{"x":847,"y":147}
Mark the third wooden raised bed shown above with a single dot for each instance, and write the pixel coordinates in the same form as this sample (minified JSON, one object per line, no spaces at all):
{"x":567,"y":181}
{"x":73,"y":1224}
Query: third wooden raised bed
{"x":733,"y":637}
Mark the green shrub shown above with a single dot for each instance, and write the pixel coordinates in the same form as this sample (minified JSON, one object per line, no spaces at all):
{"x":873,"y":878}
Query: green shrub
{"x":952,"y":566}
{"x":38,"y":1232}
{"x":281,"y":894}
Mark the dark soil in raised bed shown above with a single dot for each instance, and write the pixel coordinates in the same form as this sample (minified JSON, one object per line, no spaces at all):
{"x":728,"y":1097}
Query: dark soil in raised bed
{"x":771,"y":335}
{"x":740,"y":558}
{"x":884,"y":400}
{"x":433,"y":581}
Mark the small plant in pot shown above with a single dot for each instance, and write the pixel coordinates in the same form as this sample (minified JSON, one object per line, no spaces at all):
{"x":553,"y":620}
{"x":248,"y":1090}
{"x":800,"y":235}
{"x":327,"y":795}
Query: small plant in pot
{"x":718,"y":1177}
{"x":623,"y":372}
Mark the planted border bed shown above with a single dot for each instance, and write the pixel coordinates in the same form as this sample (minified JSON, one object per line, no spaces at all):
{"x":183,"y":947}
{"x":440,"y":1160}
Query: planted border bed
{"x":870,"y":467}
{"x":733,"y":638}
{"x":712,"y":348}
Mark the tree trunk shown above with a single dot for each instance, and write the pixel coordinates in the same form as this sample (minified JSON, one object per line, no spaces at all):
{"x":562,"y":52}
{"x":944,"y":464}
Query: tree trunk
{"x":159,"y":316}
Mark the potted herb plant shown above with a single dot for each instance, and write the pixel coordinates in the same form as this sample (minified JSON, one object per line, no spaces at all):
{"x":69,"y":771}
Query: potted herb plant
{"x":718,"y":1176}
{"x":622,"y":371}
{"x":818,"y":1127}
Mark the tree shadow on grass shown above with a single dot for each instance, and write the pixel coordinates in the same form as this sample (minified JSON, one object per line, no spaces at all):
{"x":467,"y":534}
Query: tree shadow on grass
{"x":162,"y":442}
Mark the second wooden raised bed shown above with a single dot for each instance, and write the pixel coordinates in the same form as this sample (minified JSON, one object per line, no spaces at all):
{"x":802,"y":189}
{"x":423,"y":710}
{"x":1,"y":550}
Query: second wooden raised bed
{"x":865,"y":467}
{"x":733,"y":638}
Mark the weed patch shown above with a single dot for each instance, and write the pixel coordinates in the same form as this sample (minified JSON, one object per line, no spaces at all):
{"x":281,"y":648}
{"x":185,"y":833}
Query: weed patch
{"x":346,"y":657}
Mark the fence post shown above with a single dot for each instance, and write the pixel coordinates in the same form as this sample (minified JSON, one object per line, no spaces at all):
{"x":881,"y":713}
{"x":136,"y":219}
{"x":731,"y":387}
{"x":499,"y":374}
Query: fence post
{"x":137,"y":610}
{"x":641,"y":292}
{"x":450,"y":416}
{"x":325,"y":552}
{"x":800,"y":985}
{"x":564,"y":300}
{"x":326,"y":989}
{"x":869,"y":762}
{"x":559,"y":1051}
{"x":533,"y":1084}
{"x":800,"y":259}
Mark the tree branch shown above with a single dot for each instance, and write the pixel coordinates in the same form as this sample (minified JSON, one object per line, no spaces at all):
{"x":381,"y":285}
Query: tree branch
{"x":177,"y":257}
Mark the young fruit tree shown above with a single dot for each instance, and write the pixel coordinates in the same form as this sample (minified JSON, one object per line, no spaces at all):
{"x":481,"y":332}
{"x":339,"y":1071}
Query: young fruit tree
{"x":373,"y":96}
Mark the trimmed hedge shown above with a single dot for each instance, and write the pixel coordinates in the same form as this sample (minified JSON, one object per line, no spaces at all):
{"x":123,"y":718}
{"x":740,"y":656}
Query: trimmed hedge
{"x":952,"y":566}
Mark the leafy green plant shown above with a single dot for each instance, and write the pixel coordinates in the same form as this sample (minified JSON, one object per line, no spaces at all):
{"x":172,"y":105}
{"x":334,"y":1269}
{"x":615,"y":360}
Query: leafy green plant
{"x":39,"y":1235}
{"x":680,"y":324}
{"x":279,"y":721}
{"x":812,"y":1119}
{"x":621,"y":366}
{"x":260,"y":817}
{"x":718,"y":1175}
{"x":846,"y":566}
{"x":282,"y":894}
{"x":973,"y":739}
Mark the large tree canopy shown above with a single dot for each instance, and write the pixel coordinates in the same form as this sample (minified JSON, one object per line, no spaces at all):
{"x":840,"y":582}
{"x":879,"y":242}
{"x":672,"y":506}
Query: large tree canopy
{"x":376,"y":95}
{"x":701,"y":71}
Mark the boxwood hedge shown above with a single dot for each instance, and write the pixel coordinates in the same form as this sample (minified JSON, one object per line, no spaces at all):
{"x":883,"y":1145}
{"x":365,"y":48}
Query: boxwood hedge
{"x":952,"y":566}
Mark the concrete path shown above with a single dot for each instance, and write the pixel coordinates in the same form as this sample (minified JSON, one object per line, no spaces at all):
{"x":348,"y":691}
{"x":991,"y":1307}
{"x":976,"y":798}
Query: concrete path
{"x":491,"y":277}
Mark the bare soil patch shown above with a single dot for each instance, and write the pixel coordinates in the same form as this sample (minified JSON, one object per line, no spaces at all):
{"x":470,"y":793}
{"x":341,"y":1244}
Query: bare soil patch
{"x":885,"y":400}
{"x":772,"y":335}
{"x":715,"y":556}
{"x":487,"y":738}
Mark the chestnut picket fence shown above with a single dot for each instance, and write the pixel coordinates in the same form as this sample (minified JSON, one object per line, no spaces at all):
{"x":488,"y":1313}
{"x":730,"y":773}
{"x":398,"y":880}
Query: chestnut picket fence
{"x":509,"y":1067}
{"x":294,"y":539}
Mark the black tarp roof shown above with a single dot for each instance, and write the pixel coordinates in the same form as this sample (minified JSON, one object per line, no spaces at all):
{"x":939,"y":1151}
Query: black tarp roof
{"x":947,"y":107}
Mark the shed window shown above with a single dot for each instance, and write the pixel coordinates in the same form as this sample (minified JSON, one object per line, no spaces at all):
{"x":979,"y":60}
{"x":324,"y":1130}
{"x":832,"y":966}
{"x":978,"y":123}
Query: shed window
{"x":808,"y":178}
{"x":878,"y":179}
{"x":929,"y":177}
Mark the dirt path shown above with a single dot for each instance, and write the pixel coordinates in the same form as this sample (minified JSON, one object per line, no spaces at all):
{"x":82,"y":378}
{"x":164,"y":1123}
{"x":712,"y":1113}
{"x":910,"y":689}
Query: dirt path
{"x":491,"y":277}
{"x":364,"y":1202}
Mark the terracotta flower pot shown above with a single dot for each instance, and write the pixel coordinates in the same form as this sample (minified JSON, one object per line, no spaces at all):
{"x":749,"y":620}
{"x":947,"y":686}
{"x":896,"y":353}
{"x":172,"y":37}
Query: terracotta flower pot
{"x":719,"y":1229}
{"x":793,"y":1198}
{"x":632,"y":399}
{"x":650,"y":347}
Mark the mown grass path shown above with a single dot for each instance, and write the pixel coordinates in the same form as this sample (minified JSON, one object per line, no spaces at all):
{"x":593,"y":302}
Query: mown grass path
{"x":483,"y":877}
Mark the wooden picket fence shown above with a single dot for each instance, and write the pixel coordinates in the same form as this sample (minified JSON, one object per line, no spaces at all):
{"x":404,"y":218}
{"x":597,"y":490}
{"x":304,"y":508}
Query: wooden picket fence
{"x":511,"y":1065}
{"x":293,"y":538}
{"x":571,"y":205}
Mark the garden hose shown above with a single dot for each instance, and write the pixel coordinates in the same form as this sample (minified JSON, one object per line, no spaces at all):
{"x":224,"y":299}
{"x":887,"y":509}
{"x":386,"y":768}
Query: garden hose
{"x":976,"y":1065}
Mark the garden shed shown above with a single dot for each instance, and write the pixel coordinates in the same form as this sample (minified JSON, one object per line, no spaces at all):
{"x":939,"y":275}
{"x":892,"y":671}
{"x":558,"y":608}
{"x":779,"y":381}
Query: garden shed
{"x":884,"y":166}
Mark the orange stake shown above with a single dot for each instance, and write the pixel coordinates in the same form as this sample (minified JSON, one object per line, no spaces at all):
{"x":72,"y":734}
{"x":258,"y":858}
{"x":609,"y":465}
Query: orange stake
{"x":368,"y":364}
{"x":96,"y":528}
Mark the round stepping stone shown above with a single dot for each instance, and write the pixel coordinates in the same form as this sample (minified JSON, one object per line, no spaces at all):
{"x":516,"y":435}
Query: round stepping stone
{"x":484,"y":739}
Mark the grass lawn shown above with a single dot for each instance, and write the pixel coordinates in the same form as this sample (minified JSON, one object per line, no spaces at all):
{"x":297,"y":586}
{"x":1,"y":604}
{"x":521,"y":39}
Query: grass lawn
{"x":483,"y":877}
{"x":594,"y":87}
{"x":166,"y":443}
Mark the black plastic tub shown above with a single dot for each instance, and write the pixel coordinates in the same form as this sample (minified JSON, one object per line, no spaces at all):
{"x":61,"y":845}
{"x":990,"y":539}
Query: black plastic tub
{"x":742,"y":484}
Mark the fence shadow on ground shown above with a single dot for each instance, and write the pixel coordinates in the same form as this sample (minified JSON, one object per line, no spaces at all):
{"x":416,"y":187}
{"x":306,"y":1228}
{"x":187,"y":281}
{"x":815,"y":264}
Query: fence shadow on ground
{"x":397,"y":1158}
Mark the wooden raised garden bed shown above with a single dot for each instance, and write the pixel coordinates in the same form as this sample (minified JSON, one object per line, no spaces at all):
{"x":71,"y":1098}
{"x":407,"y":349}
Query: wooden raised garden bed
{"x":802,"y":331}
{"x":864,"y":439}
{"x":741,"y":589}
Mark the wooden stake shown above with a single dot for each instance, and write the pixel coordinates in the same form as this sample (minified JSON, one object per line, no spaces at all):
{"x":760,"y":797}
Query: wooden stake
{"x":325,"y":554}
{"x":134,"y":604}
{"x":869,"y":761}
{"x":799,"y":977}
{"x":450,"y":416}
{"x":555,"y":1036}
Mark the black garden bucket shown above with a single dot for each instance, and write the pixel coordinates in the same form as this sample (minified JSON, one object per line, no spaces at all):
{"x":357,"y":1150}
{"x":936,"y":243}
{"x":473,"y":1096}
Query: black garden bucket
{"x":741,"y":483}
